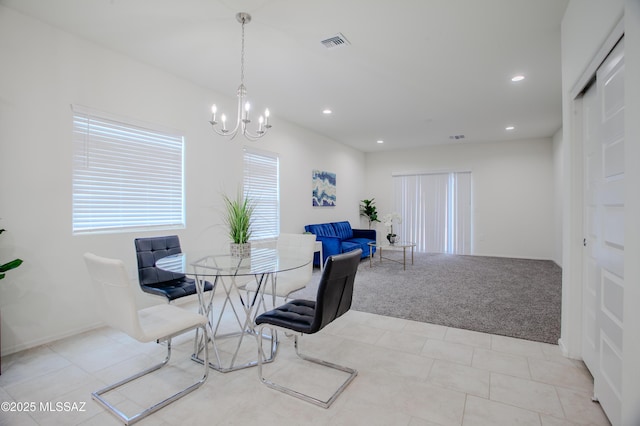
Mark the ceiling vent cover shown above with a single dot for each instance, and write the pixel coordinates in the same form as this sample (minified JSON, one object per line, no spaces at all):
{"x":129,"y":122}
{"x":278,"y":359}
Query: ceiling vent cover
{"x":335,"y":41}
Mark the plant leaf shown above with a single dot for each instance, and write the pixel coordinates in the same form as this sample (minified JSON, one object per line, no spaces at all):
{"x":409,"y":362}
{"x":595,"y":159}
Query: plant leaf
{"x":10,"y":265}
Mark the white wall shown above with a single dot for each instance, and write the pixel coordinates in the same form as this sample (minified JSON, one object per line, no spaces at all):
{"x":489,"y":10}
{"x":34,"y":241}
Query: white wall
{"x":513,"y":192}
{"x":45,"y":70}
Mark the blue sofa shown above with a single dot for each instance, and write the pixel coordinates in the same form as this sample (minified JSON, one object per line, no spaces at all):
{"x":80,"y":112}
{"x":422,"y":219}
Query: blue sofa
{"x":339,"y":237}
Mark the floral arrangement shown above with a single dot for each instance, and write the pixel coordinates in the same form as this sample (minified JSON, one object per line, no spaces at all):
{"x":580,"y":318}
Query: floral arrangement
{"x":387,"y":220}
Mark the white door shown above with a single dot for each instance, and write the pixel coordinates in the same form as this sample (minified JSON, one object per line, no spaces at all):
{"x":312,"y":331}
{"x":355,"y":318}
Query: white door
{"x":603,"y":288}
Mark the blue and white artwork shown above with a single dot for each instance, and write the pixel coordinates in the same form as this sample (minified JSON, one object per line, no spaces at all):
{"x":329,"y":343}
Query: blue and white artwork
{"x":324,"y":189}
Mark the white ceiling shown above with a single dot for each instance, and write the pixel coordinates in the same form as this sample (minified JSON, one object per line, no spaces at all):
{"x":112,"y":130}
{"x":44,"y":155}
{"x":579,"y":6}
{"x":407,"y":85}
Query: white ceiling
{"x":416,"y":71}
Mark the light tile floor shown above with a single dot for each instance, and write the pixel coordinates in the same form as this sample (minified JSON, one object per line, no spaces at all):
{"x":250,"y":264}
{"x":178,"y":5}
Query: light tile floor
{"x":410,"y":373}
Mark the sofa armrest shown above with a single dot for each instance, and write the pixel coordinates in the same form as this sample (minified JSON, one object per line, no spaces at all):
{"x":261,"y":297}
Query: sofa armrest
{"x":365,"y":233}
{"x":330,"y":246}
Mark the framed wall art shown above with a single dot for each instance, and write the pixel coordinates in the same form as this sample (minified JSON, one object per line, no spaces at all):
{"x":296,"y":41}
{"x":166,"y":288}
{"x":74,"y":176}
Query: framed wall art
{"x":324,"y":188}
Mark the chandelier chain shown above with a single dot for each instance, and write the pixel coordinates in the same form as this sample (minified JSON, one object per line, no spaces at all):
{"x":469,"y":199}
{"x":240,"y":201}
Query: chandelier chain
{"x":242,"y":56}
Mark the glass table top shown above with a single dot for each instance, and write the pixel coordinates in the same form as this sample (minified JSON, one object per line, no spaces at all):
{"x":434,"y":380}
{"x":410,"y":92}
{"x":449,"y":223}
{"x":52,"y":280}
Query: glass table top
{"x":261,"y":261}
{"x":386,"y":244}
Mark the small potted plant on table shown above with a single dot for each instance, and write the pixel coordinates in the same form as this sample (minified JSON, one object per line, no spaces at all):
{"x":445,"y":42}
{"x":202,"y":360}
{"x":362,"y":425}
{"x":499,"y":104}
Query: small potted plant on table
{"x":238,"y":218}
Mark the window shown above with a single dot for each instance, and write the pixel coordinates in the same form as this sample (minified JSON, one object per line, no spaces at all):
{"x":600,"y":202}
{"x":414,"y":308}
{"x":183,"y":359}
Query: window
{"x":435,"y":210}
{"x":125,"y":176}
{"x":262,"y":183}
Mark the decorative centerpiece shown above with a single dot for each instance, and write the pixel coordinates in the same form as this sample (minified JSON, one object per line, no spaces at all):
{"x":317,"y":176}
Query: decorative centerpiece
{"x":238,"y":218}
{"x":387,"y":220}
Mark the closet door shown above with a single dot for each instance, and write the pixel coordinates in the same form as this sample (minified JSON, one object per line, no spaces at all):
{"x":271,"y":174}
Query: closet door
{"x":591,"y":271}
{"x":603,"y":292}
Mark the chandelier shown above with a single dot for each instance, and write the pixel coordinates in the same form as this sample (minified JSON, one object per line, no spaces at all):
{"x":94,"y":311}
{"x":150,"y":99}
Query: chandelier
{"x":244,"y":106}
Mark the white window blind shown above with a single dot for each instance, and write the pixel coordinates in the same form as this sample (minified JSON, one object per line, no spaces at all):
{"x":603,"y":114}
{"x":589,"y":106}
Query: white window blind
{"x":125,"y":176}
{"x":262,"y":184}
{"x":435,"y":210}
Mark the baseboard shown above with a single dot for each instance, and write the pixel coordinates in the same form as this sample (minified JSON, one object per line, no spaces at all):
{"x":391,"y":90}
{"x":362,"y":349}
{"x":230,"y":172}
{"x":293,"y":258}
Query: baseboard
{"x":49,"y":339}
{"x":566,"y":353}
{"x":151,"y":300}
{"x":563,"y":348}
{"x":514,"y":257}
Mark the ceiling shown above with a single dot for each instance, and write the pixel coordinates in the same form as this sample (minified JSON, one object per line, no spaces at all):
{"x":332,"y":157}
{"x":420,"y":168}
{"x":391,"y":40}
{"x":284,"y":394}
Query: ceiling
{"x":416,"y":72}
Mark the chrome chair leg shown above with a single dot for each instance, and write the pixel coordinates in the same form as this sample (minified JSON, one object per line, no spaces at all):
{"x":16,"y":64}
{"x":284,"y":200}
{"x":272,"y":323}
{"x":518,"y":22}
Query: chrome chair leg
{"x":292,"y":392}
{"x":129,"y":420}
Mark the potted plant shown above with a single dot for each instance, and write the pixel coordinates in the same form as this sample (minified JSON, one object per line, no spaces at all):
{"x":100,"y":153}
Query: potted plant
{"x":368,"y":209}
{"x":238,"y":219}
{"x":9,"y":265}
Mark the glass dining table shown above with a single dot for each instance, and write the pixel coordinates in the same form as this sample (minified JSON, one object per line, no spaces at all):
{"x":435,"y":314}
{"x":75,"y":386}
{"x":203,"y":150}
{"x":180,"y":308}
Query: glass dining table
{"x":232,"y":318}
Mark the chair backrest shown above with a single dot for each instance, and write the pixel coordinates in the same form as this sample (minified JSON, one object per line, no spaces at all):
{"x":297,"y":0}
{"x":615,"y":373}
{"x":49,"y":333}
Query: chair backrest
{"x":298,"y":245}
{"x":335,"y":290}
{"x":148,"y":251}
{"x":115,"y":294}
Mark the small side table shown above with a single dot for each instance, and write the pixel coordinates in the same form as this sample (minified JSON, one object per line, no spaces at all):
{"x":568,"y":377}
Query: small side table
{"x":402,"y":245}
{"x":318,"y":249}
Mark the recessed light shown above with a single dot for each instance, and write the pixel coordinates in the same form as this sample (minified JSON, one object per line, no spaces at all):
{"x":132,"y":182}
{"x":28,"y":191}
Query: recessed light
{"x":509,"y":128}
{"x":380,"y":141}
{"x":327,"y":111}
{"x":517,"y":78}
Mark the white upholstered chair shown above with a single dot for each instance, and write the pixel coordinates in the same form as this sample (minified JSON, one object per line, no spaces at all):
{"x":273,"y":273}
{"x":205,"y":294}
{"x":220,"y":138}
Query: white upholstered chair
{"x":287,"y":282}
{"x":156,"y":323}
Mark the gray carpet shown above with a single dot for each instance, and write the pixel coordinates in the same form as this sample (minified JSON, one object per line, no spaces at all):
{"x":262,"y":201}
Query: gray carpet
{"x":511,"y":297}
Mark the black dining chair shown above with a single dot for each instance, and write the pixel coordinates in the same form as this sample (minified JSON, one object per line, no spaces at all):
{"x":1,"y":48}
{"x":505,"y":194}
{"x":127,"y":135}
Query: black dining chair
{"x":171,"y":285}
{"x":333,"y":299}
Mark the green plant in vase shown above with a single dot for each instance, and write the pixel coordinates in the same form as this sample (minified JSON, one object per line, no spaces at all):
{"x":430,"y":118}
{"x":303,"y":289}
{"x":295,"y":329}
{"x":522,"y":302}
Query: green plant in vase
{"x":238,"y":218}
{"x":368,"y":209}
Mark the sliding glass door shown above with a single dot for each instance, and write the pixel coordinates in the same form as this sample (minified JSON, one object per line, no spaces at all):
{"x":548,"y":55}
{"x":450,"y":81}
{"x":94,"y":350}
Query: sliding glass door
{"x":436,"y":211}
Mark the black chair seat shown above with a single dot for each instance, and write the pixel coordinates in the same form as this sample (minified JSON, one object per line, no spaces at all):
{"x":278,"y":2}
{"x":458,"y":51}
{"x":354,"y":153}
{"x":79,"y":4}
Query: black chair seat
{"x":175,"y":289}
{"x":296,"y":315}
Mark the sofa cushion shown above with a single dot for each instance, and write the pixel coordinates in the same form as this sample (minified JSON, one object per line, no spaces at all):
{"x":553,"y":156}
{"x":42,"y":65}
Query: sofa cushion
{"x":349,"y":246}
{"x":322,"y":230}
{"x":363,"y":243}
{"x":343,"y":230}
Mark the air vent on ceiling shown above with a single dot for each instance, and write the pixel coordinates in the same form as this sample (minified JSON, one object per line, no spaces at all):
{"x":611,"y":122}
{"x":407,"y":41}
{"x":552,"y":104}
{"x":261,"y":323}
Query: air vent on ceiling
{"x":456,"y":137}
{"x":335,"y":41}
